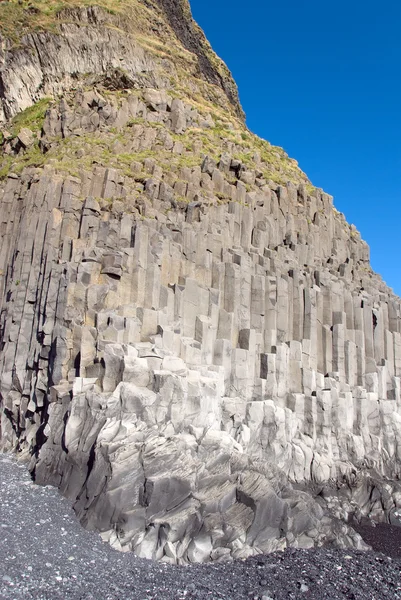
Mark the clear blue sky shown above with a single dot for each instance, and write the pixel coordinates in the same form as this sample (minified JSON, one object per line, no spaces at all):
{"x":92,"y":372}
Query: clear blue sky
{"x":322,"y":79}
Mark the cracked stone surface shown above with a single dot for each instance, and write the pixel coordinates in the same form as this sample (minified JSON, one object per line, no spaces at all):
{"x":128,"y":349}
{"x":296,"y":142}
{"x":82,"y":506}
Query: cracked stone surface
{"x":46,"y":555}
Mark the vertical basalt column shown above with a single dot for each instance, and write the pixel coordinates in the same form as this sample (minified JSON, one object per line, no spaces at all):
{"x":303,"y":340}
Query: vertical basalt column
{"x":282,"y":309}
{"x":320,"y":351}
{"x":378,"y":334}
{"x":368,"y":336}
{"x":339,"y":344}
{"x":297,"y":306}
{"x":397,"y":354}
{"x":270,"y":338}
{"x":310,"y":324}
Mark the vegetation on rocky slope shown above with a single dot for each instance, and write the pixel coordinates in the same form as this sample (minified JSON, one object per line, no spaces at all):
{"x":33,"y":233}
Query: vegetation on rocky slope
{"x":78,"y":152}
{"x":152,"y":27}
{"x":153,"y":24}
{"x":19,"y":18}
{"x":106,"y":148}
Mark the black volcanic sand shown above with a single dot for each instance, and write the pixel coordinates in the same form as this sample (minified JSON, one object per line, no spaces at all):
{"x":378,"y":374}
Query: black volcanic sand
{"x":46,"y":555}
{"x":381,"y":537}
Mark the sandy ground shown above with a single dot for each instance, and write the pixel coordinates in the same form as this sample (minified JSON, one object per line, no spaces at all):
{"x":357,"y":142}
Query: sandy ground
{"x":46,"y":555}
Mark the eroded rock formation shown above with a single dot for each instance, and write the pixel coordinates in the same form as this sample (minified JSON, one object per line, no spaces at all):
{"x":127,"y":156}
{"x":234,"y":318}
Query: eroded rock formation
{"x":194,"y":347}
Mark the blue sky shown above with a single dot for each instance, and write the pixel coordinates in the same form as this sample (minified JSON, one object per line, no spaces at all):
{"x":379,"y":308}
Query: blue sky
{"x":322,"y":80}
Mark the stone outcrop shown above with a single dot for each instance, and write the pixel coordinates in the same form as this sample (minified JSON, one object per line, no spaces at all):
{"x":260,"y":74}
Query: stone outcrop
{"x":91,"y":41}
{"x":194,"y":347}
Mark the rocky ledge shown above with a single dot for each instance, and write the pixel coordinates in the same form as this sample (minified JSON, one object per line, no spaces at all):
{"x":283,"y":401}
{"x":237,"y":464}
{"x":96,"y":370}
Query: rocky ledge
{"x":46,"y":555}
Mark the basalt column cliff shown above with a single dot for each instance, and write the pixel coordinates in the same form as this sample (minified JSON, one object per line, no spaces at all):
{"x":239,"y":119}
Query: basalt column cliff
{"x":194,"y":347}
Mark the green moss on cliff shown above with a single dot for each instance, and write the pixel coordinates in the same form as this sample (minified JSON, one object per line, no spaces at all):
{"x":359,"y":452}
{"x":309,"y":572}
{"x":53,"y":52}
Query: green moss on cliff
{"x":33,"y":157}
{"x":31,"y":117}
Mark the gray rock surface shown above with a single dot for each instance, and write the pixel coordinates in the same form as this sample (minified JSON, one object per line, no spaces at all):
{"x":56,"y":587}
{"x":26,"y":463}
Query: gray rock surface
{"x":194,"y":347}
{"x":46,"y":555}
{"x":50,"y":62}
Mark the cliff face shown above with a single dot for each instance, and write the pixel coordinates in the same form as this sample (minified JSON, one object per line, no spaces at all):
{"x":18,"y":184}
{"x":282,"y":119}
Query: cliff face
{"x":194,"y":347}
{"x":193,"y":39}
{"x":44,"y":52}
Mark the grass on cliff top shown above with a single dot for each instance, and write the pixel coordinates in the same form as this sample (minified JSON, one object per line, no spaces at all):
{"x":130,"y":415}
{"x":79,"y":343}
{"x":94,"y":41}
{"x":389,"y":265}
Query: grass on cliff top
{"x":18,"y":17}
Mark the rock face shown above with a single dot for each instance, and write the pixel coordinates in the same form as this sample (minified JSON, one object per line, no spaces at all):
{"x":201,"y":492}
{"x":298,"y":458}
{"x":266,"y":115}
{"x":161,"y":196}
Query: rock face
{"x":194,"y":347}
{"x":92,"y":41}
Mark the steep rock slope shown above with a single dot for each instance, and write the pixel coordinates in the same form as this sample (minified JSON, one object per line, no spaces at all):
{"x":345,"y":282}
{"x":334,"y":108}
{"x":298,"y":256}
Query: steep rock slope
{"x":194,"y":346}
{"x":46,"y":47}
